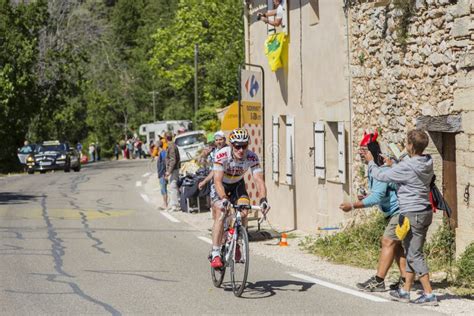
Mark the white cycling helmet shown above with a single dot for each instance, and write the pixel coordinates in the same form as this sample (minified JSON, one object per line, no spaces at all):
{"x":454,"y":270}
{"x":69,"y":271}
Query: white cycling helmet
{"x":219,"y":134}
{"x":239,"y":135}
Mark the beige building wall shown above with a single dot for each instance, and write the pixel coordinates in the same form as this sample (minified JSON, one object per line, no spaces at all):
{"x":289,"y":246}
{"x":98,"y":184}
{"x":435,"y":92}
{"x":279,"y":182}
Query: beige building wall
{"x":312,"y":87}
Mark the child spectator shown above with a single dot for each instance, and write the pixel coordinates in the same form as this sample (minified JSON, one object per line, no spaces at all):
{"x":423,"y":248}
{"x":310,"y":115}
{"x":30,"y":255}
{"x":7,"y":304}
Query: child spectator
{"x":414,"y":176}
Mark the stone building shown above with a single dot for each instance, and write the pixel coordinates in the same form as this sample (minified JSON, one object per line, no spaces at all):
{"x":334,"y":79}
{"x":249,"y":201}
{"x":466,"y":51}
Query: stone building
{"x":419,"y":73}
{"x":354,"y":65}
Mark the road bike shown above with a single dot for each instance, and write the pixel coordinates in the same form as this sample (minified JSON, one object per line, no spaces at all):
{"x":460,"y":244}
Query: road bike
{"x":235,"y":250}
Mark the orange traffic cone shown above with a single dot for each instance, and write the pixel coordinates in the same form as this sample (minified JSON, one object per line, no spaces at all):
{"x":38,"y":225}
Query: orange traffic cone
{"x":283,"y":242}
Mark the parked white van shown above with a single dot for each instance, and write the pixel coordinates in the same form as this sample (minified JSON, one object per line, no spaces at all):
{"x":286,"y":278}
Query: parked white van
{"x":189,"y":144}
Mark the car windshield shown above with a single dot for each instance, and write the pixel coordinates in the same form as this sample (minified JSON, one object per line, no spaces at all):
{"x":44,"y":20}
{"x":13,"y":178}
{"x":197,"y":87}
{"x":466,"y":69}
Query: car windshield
{"x":45,"y":148}
{"x":26,"y":149}
{"x":190,"y":139}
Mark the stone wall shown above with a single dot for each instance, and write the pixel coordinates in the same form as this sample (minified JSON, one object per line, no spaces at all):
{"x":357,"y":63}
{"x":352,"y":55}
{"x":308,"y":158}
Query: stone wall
{"x":430,"y":74}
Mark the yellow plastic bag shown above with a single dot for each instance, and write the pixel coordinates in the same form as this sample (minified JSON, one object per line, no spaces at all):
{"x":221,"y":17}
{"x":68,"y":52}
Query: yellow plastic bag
{"x":275,"y":50}
{"x":403,"y":227}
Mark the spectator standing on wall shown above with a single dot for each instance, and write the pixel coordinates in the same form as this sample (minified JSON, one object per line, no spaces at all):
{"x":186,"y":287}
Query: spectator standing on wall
{"x":172,"y":172}
{"x":279,"y":13}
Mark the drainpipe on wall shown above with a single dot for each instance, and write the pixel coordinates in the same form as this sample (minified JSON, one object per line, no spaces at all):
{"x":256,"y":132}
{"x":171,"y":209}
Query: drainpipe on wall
{"x":346,"y":7}
{"x":247,"y":33}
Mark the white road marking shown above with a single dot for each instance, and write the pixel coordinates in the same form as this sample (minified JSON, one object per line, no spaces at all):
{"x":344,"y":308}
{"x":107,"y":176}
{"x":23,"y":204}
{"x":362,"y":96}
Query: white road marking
{"x":138,"y":184}
{"x":338,"y":288}
{"x":145,"y":197}
{"x":205,"y":239}
{"x":168,"y":216}
{"x":146,"y":175}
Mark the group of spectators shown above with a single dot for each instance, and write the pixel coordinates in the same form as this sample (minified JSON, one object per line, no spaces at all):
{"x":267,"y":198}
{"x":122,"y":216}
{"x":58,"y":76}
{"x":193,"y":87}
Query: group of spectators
{"x":401,"y":190}
{"x":132,"y":148}
{"x":168,"y":164}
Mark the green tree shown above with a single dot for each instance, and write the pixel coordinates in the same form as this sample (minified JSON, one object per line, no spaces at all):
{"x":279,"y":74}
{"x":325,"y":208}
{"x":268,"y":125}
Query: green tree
{"x":216,"y":26}
{"x":19,"y":94}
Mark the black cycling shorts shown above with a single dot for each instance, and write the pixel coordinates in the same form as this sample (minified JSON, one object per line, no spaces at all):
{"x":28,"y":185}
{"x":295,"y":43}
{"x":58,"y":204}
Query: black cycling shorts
{"x":234,"y":191}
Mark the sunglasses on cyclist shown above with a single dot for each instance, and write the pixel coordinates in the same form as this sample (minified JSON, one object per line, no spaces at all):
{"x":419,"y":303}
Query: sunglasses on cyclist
{"x":240,"y":146}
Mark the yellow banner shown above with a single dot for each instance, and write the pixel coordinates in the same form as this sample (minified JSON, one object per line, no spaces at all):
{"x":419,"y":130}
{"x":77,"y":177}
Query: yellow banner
{"x":252,"y":113}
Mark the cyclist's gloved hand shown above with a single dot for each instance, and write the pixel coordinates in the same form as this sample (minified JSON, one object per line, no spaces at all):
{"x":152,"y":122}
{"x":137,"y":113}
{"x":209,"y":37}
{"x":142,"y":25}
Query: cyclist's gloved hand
{"x":225,"y":203}
{"x":264,"y":205}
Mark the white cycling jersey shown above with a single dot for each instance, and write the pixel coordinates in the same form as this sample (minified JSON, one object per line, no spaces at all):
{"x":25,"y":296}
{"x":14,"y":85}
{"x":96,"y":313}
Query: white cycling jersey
{"x":234,"y":169}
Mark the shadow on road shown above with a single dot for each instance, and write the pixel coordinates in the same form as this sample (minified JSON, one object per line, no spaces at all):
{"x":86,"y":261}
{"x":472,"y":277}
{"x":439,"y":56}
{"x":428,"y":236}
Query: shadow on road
{"x":16,"y":198}
{"x":134,"y":273}
{"x":265,"y":289}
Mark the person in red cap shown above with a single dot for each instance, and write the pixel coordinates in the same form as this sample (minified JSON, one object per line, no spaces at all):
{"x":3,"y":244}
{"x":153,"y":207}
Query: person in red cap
{"x":384,"y":195}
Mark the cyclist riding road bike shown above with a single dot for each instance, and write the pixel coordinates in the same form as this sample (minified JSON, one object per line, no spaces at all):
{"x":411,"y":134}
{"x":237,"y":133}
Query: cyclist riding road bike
{"x":230,"y":165}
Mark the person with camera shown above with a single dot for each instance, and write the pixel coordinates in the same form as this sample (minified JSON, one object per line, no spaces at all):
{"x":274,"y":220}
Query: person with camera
{"x":279,"y":14}
{"x":384,"y":195}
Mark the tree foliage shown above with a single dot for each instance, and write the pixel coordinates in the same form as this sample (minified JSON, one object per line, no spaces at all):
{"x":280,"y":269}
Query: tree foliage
{"x":83,"y":70}
{"x":216,"y":27}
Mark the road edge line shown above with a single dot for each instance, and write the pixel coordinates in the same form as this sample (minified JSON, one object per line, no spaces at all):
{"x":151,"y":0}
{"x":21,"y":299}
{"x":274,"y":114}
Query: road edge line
{"x":339,"y":288}
{"x":168,"y":216}
{"x":205,"y":239}
{"x":145,"y":197}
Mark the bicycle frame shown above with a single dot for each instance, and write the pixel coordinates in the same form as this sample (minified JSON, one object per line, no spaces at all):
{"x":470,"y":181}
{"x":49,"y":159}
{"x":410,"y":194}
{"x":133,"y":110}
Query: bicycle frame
{"x":230,"y":249}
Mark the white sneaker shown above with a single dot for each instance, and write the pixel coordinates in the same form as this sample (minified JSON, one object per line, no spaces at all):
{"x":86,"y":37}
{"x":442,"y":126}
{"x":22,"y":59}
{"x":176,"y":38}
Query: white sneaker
{"x":173,"y":209}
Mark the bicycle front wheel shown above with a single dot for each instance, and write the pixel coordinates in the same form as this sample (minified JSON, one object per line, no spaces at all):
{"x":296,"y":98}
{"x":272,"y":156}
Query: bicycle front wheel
{"x":239,"y":262}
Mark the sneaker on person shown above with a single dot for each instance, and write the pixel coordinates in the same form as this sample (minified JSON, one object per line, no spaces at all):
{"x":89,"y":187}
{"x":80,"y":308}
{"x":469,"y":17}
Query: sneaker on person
{"x":400,"y":295}
{"x":399,"y":284}
{"x":371,"y":285}
{"x":172,"y":209}
{"x":216,"y":262}
{"x":426,"y":300}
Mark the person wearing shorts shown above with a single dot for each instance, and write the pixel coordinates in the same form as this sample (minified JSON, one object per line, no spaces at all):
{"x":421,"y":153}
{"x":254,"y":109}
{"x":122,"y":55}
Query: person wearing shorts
{"x":384,"y":195}
{"x":230,"y":165}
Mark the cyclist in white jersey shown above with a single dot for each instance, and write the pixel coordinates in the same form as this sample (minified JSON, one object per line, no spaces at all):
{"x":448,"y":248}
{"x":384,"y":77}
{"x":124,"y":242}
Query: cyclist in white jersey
{"x":230,"y":165}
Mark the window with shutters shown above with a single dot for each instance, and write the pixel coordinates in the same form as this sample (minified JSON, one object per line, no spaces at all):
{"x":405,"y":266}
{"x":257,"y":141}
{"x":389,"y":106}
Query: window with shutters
{"x":282,"y":149}
{"x":319,"y":150}
{"x":285,"y":148}
{"x":275,"y":146}
{"x":313,"y":12}
{"x":335,"y":143}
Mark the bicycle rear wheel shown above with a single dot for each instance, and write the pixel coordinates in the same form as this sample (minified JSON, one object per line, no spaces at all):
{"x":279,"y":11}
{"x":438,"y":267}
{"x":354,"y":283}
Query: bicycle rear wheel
{"x":239,"y":267}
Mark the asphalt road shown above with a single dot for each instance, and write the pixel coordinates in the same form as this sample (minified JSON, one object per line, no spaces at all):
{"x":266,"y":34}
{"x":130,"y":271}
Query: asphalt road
{"x":89,"y":243}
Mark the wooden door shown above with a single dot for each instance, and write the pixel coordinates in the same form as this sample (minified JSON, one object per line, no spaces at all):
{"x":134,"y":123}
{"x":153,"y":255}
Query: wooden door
{"x":449,"y":174}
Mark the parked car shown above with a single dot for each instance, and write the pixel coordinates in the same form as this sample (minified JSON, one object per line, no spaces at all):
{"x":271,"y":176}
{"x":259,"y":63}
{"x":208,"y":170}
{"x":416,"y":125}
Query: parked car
{"x":190,"y":143}
{"x":53,"y":155}
{"x":24,"y":152}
